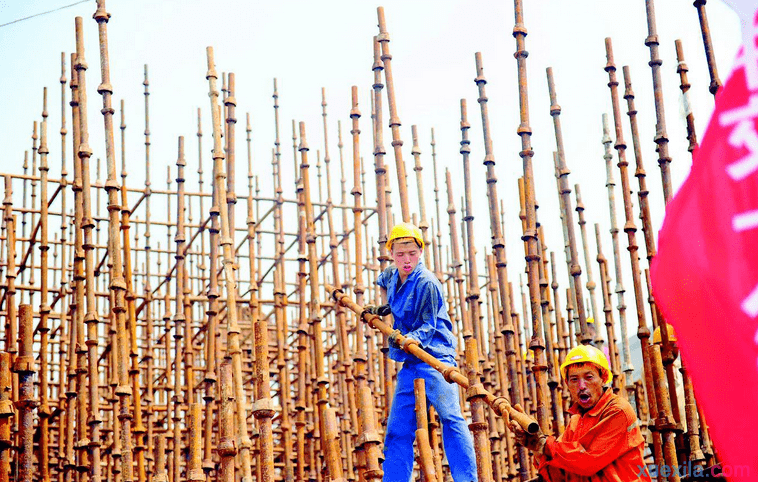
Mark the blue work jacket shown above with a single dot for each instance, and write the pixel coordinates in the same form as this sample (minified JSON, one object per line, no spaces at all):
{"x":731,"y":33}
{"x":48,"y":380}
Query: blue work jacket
{"x":419,"y":312}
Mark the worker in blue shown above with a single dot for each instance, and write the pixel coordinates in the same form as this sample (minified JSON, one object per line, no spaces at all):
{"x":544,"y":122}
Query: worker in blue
{"x":415,"y":298}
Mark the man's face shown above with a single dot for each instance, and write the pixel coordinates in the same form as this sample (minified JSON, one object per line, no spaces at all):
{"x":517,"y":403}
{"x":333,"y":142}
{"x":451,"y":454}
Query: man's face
{"x":406,"y":254}
{"x":585,"y":385}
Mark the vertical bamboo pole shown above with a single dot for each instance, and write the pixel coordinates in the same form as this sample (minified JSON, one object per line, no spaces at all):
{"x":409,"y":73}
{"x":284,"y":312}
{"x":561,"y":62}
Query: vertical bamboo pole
{"x":425,"y":456}
{"x":233,"y":330}
{"x":619,"y":289}
{"x":344,"y":354}
{"x":684,"y":86}
{"x":661,"y":138}
{"x":708,"y":45}
{"x":64,"y":399}
{"x":91,"y":316}
{"x":479,"y":426}
{"x":643,"y":332}
{"x":7,"y":410}
{"x":423,"y":222}
{"x":598,"y":340}
{"x":467,"y":315}
{"x":301,"y":403}
{"x":330,"y":442}
{"x":23,"y":365}
{"x":397,"y":142}
{"x":605,"y":285}
{"x":280,"y":299}
{"x":576,"y":270}
{"x":149,"y":326}
{"x":117,"y":283}
{"x":498,"y":249}
{"x":44,"y":309}
{"x":134,"y":369}
{"x":384,"y":215}
{"x":438,"y":218}
{"x":230,"y":102}
{"x":179,"y":317}
{"x":650,"y":248}
{"x":693,"y":429}
{"x":227,"y":448}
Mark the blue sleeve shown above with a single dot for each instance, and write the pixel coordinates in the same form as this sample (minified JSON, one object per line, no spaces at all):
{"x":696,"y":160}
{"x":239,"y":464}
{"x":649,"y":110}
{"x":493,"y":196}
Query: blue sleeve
{"x":381,"y":279}
{"x":429,"y":298}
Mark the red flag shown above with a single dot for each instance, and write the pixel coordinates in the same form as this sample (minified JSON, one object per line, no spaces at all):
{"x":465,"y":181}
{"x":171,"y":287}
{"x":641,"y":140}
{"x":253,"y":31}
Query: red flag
{"x":705,"y":276}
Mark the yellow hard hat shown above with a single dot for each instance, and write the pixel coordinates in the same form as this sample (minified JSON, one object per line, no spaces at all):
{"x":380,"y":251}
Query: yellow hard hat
{"x":657,"y":334}
{"x":586,"y":354}
{"x":405,"y":230}
{"x":590,"y":320}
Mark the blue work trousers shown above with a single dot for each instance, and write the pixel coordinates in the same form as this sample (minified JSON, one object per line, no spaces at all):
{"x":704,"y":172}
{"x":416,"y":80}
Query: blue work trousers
{"x":401,"y":427}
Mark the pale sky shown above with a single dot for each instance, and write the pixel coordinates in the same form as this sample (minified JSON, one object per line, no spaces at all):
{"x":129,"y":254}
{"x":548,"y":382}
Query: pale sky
{"x":309,"y":45}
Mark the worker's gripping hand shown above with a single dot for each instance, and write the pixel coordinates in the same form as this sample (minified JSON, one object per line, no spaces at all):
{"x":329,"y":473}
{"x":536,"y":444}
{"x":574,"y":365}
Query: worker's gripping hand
{"x":534,"y":442}
{"x":383,"y":310}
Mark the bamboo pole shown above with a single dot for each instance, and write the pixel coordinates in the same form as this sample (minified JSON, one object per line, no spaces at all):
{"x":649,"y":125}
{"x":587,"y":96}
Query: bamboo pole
{"x":610,"y":184}
{"x":661,"y":138}
{"x":605,"y":285}
{"x":91,"y":316}
{"x":118,"y":285}
{"x":397,"y":142}
{"x":44,"y":410}
{"x":575,"y":270}
{"x":329,"y":442}
{"x":7,"y":411}
{"x":643,"y":332}
{"x":498,"y":248}
{"x":425,"y":456}
{"x":23,"y":366}
{"x":233,"y":330}
{"x":710,"y":57}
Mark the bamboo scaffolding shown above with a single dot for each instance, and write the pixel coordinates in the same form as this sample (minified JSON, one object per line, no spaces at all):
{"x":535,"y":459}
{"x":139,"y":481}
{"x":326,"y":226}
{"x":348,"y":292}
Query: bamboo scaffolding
{"x":149,"y":371}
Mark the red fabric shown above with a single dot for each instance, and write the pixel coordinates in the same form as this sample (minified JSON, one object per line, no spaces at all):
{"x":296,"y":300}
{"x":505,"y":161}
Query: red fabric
{"x":604,"y":444}
{"x":705,"y":275}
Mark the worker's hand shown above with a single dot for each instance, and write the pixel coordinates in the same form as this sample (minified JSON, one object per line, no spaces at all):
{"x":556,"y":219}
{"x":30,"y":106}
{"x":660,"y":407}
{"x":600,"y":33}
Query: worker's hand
{"x":383,"y":310}
{"x":409,"y":341}
{"x":392,"y":339}
{"x":534,"y":442}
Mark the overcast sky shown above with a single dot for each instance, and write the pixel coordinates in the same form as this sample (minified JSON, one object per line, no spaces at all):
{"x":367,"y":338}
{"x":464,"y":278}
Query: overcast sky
{"x":309,"y":45}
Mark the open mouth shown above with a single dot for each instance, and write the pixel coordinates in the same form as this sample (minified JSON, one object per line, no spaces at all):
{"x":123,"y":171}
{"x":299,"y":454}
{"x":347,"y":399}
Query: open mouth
{"x":584,"y":397}
{"x":406,"y":268}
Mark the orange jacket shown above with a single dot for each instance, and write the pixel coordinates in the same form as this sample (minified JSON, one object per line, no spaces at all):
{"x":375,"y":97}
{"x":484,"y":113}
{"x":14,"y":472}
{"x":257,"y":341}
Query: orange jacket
{"x":604,"y":444}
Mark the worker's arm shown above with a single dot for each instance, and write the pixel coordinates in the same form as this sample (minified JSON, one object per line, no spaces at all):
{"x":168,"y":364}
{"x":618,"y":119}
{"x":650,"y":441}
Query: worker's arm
{"x":427,"y":306}
{"x":609,"y":439}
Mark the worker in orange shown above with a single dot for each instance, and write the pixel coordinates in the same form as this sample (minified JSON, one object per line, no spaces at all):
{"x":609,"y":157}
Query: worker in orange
{"x":602,"y":441}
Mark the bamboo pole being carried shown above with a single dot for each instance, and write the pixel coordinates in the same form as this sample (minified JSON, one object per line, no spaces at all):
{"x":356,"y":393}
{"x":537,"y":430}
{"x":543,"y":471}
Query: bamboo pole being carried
{"x":500,"y":405}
